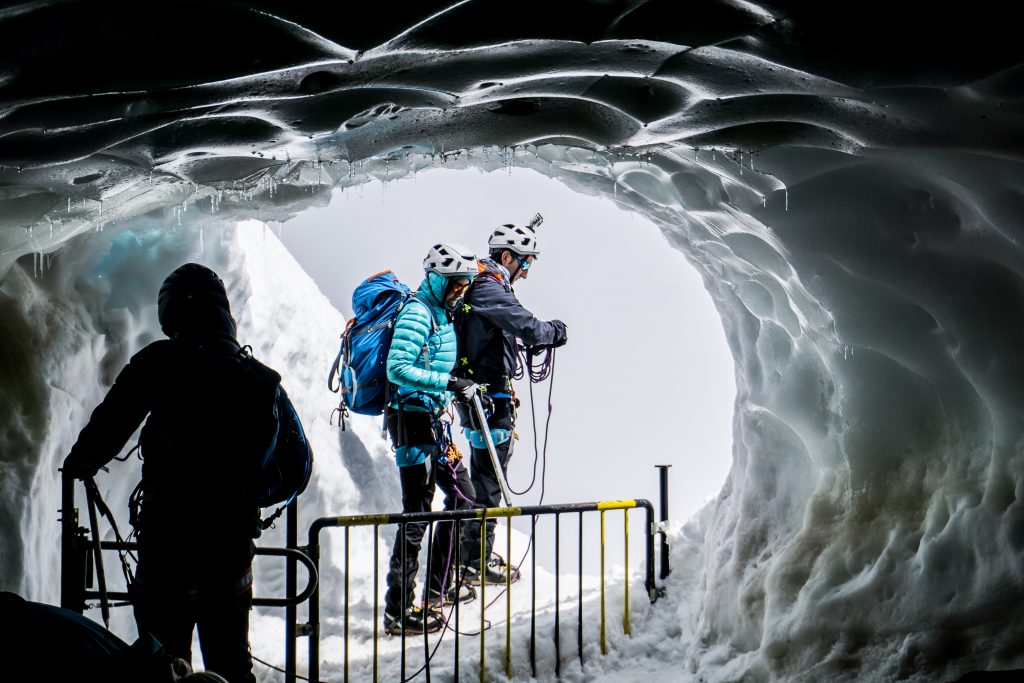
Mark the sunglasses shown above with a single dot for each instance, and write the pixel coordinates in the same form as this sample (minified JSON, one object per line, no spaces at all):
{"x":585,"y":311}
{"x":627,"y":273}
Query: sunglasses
{"x":458,"y":287}
{"x":523,"y":263}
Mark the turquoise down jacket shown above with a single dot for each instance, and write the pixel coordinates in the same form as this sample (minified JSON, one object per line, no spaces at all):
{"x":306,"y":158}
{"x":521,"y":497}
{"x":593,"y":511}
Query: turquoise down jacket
{"x":422,"y":356}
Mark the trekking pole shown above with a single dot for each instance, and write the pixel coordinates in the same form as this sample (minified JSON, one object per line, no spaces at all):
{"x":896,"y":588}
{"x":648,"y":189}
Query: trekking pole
{"x":498,"y":472}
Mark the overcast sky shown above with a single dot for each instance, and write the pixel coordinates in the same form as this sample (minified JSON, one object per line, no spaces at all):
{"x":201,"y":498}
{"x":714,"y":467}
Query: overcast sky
{"x":646,"y":377}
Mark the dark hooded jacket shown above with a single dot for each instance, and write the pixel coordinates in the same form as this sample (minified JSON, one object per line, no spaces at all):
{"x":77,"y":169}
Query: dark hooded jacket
{"x":488,"y":324}
{"x":184,"y":388}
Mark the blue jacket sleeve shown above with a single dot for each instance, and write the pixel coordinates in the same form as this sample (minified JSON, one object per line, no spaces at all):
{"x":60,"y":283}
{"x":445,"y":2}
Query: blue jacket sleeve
{"x":501,"y":308}
{"x":116,"y":418}
{"x":406,"y":365}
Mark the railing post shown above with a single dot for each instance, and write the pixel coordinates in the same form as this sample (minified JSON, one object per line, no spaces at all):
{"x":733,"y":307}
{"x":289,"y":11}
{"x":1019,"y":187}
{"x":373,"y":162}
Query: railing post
{"x":533,"y":595}
{"x":483,"y":598}
{"x":290,"y":583}
{"x":579,"y":610}
{"x":345,"y":617}
{"x":625,"y":597}
{"x":314,"y":604}
{"x":558,"y":597}
{"x":649,"y":584}
{"x":508,"y":597}
{"x":376,"y":600}
{"x":663,"y":480}
{"x":604,"y":644}
{"x":72,"y":551}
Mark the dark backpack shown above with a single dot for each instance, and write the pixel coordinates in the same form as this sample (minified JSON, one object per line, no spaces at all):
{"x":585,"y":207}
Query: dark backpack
{"x":283,"y":460}
{"x":268,"y":460}
{"x":361,"y":364}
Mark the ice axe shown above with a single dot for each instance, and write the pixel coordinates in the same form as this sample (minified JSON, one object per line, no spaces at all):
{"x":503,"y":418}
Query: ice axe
{"x":498,"y":472}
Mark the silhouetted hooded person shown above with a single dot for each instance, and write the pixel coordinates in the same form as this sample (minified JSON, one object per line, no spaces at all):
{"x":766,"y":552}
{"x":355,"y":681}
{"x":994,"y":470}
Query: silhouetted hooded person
{"x":194,"y":303}
{"x":195,"y":524}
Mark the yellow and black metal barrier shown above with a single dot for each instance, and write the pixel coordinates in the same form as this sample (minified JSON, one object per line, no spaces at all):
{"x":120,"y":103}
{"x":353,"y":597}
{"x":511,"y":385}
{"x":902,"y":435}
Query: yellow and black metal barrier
{"x":459,"y":517}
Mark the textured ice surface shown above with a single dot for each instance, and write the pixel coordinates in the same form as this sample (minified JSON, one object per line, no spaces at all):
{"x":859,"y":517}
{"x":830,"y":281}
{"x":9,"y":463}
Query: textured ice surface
{"x":847,"y":178}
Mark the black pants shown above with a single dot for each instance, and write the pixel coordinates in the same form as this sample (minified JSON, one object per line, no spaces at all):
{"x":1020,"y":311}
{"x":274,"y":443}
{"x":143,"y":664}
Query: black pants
{"x":485,"y":484}
{"x":419,"y":483}
{"x":184,"y":583}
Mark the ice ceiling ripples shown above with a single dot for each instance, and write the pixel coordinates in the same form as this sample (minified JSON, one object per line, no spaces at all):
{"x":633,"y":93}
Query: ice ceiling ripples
{"x":851,"y":193}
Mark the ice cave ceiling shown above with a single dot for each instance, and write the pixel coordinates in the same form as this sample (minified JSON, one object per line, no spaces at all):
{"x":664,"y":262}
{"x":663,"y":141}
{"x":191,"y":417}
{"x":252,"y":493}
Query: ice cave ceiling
{"x":847,"y":177}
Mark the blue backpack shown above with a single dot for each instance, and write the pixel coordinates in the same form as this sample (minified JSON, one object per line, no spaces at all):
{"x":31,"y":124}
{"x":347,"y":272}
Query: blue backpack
{"x":361,"y":364}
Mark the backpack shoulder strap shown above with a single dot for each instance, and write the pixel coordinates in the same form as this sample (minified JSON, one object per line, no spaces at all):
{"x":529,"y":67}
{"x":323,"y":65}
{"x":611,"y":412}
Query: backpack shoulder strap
{"x":433,"y":329}
{"x":430,"y":311}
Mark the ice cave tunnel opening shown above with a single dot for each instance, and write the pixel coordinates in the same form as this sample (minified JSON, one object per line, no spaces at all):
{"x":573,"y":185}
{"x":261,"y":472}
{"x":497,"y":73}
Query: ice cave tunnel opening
{"x":871,"y":517}
{"x":628,"y":293}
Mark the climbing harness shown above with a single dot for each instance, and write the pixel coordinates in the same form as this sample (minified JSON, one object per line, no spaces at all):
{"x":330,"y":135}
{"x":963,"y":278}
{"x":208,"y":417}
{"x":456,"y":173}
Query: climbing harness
{"x":449,"y":452}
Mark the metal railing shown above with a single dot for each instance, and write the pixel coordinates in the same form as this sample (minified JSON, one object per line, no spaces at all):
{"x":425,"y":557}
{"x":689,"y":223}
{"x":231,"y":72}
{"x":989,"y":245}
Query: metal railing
{"x":458,"y":517}
{"x":82,"y":561}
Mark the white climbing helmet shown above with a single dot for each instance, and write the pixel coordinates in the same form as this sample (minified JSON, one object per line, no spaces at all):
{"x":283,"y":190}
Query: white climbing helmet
{"x":451,"y":260}
{"x":519,"y":239}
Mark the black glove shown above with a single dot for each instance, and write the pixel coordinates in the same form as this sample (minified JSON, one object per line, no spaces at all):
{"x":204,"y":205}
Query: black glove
{"x":561,"y":335}
{"x":464,"y":388}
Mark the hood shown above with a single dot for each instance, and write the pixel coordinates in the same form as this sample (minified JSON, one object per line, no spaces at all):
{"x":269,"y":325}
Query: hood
{"x":432,"y":288}
{"x":489,"y":266}
{"x":193,"y":302}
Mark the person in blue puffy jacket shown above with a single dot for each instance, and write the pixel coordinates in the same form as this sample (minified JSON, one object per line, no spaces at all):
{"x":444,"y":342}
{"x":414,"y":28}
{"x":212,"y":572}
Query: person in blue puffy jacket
{"x":419,"y":364}
{"x":491,"y":324}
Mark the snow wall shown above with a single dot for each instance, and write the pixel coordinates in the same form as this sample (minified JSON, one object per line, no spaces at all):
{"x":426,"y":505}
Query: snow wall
{"x":856,"y":216}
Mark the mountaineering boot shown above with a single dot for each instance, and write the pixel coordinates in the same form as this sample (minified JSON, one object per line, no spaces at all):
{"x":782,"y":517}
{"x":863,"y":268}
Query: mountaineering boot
{"x":495,"y":572}
{"x":496,"y":564}
{"x":461,"y":592}
{"x":416,"y":621}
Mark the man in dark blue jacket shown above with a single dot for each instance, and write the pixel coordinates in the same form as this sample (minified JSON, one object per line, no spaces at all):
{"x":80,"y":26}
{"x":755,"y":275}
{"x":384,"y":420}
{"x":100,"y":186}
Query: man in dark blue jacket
{"x":490,"y":326}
